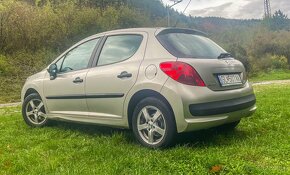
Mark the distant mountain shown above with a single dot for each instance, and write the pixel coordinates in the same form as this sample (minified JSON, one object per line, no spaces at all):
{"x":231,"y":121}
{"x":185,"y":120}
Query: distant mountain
{"x":217,"y":24}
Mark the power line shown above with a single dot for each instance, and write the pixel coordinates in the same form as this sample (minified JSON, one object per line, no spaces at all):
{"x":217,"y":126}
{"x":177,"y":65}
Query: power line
{"x":187,"y":6}
{"x":169,"y":7}
{"x":183,"y":12}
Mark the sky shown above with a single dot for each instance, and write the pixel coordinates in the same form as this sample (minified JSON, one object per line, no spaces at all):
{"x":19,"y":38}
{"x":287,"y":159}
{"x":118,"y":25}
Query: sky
{"x":236,"y":9}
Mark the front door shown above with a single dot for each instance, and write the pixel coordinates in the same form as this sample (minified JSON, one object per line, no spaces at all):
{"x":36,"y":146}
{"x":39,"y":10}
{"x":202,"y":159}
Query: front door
{"x":116,"y":72}
{"x":65,"y":95}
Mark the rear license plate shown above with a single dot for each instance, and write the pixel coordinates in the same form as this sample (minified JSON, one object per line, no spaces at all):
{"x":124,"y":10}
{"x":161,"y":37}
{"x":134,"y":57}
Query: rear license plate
{"x":230,"y":79}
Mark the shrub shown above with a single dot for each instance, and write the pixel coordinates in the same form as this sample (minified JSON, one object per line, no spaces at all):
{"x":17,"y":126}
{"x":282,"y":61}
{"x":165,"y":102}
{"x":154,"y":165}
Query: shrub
{"x":27,"y":63}
{"x":267,"y":63}
{"x":5,"y":67}
{"x":279,"y":62}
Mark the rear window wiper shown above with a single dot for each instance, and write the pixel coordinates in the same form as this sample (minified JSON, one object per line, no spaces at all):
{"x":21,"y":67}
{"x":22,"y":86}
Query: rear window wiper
{"x":224,"y":55}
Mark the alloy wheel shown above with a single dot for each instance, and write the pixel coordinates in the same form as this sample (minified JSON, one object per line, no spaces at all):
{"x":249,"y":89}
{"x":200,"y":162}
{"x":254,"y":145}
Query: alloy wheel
{"x":35,"y":112}
{"x":151,"y":125}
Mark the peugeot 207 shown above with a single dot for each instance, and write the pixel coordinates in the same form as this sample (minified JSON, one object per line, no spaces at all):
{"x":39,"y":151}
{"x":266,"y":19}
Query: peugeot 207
{"x":156,"y":81}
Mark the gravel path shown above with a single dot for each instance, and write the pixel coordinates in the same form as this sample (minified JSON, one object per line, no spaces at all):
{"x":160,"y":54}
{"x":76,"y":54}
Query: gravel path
{"x":272,"y":82}
{"x":10,"y":104}
{"x":254,"y":84}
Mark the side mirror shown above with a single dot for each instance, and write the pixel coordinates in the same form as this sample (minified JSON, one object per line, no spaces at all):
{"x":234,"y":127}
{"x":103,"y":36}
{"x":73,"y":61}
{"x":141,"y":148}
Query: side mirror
{"x":52,"y":70}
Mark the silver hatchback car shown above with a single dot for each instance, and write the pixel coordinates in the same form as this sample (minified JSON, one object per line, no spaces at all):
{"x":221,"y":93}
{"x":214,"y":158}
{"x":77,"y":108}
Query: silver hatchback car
{"x":156,"y":81}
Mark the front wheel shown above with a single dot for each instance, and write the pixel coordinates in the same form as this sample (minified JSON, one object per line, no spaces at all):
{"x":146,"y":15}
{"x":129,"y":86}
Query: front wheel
{"x":153,"y":123}
{"x":33,"y":111}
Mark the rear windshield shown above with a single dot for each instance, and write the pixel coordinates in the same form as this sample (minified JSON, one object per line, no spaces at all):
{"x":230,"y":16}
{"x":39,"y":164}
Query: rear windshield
{"x":184,"y":45}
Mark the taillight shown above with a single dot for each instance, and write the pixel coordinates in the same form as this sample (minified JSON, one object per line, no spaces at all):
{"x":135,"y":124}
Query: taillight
{"x":182,"y":73}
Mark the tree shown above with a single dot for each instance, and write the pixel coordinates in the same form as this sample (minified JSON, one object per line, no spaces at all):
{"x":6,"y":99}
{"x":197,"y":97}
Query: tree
{"x":279,"y":21}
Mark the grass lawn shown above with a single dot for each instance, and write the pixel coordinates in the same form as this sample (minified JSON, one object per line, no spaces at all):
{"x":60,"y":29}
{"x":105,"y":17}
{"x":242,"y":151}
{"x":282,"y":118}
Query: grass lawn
{"x":273,"y":75}
{"x":260,"y":145}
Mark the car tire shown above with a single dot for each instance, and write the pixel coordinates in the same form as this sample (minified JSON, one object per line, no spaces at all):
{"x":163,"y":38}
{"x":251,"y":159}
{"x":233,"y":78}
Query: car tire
{"x":229,"y":126}
{"x":153,"y":123}
{"x":33,"y":111}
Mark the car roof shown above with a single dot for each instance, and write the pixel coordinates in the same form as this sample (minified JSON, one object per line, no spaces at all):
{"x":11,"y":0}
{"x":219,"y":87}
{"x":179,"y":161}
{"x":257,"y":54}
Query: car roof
{"x":133,"y":30}
{"x":155,"y":30}
{"x":150,"y":30}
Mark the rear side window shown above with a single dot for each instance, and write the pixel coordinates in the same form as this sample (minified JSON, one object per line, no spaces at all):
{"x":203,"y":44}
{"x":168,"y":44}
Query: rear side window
{"x":186,"y":45}
{"x":119,"y":48}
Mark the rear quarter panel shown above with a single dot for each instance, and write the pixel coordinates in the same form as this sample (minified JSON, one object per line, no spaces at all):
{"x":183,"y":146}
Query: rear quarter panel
{"x":150,"y":76}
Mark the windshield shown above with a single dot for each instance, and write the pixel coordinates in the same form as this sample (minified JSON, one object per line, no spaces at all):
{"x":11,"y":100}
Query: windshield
{"x":184,"y":45}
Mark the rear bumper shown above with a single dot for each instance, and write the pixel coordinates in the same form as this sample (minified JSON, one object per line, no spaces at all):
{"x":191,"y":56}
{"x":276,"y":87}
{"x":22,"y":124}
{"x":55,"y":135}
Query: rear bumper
{"x":222,"y":107}
{"x":204,"y":122}
{"x":211,"y":114}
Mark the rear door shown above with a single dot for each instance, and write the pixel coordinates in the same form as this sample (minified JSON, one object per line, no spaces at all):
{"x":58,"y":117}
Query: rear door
{"x":116,"y":71}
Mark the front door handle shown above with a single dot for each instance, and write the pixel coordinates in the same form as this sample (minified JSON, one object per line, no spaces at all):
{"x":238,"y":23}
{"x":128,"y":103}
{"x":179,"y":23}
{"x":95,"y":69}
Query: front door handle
{"x":78,"y":80}
{"x":124,"y":74}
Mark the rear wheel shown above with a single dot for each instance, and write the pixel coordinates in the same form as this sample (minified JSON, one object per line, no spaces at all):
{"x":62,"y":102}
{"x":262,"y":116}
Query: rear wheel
{"x":33,"y":111}
{"x":153,"y":123}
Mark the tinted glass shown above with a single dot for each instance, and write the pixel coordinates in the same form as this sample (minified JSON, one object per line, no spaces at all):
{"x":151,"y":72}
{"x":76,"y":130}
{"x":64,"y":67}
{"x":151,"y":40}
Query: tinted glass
{"x":119,"y":48}
{"x":79,"y":57}
{"x":185,"y":45}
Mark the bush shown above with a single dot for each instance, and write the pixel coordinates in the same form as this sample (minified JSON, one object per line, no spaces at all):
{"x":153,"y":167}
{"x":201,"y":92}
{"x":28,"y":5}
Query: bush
{"x":27,"y":63}
{"x":271,"y":43}
{"x":267,"y":63}
{"x":5,"y":67}
{"x":279,"y":62}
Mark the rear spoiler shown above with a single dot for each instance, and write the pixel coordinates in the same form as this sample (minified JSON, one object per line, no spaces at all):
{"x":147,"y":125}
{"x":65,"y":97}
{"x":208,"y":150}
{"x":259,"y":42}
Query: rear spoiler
{"x":181,"y":30}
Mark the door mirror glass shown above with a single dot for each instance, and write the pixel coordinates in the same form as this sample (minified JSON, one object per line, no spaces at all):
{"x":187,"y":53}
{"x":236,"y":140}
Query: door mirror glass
{"x":52,"y":70}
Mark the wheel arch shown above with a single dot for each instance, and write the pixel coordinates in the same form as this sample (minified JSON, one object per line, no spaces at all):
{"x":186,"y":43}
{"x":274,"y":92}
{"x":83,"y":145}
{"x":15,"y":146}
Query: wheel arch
{"x":30,"y":91}
{"x":138,"y":96}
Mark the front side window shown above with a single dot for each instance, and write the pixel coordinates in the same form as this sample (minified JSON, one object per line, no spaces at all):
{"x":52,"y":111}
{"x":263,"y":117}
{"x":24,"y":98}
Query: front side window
{"x":79,"y":57}
{"x":118,"y":48}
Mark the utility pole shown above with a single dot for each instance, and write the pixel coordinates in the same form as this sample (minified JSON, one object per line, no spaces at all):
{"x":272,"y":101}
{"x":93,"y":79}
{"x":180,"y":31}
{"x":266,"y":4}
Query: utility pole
{"x":169,"y":7}
{"x":267,"y":9}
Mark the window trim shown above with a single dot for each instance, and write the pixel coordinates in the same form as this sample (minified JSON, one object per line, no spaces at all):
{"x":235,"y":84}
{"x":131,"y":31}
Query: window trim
{"x":101,"y":46}
{"x":91,"y":60}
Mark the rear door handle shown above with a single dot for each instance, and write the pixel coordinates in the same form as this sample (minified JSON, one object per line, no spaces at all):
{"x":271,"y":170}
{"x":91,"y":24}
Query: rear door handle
{"x":124,"y":74}
{"x":78,"y":80}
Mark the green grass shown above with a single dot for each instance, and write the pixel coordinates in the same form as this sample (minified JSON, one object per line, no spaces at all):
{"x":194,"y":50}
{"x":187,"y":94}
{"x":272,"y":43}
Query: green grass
{"x":260,"y":145}
{"x":273,"y":75}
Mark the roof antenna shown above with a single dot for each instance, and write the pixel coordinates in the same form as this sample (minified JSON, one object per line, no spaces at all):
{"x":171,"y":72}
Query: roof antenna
{"x":168,"y":8}
{"x":182,"y":12}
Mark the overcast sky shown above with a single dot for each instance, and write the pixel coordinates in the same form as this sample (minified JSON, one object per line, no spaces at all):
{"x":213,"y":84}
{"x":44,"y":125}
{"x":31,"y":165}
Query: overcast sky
{"x":238,"y":9}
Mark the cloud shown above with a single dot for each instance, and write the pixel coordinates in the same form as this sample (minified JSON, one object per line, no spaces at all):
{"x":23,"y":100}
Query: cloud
{"x":253,"y":9}
{"x":220,"y":10}
{"x":238,"y":9}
